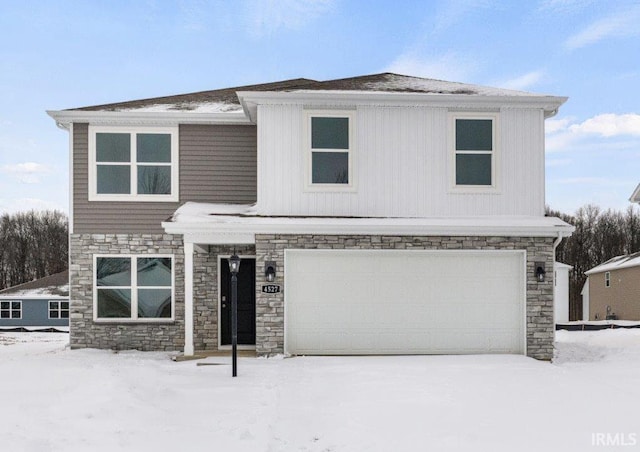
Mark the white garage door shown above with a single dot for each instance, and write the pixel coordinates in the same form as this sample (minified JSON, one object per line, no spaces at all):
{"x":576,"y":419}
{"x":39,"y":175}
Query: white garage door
{"x":402,"y":302}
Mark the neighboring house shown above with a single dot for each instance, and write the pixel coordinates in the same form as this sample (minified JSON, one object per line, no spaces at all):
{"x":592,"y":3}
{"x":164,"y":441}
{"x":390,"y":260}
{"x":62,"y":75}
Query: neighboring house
{"x":613,"y":289}
{"x":43,"y":303}
{"x":635,"y":196}
{"x":400,"y":214}
{"x":561,"y":291}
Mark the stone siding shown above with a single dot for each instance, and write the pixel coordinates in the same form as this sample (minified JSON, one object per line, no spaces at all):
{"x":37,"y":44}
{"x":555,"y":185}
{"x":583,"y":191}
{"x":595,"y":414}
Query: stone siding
{"x":85,"y":333}
{"x":205,"y":293}
{"x":539,"y":297}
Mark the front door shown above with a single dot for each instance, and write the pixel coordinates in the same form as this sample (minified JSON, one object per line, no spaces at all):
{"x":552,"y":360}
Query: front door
{"x":246,"y":302}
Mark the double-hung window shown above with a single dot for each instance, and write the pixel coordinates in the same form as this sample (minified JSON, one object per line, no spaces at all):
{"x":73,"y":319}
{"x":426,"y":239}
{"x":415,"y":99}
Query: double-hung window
{"x":132,"y":164}
{"x":474,"y":153}
{"x":10,"y":309}
{"x":58,"y":309}
{"x":330,"y":157}
{"x":134,"y":288}
{"x":607,"y":279}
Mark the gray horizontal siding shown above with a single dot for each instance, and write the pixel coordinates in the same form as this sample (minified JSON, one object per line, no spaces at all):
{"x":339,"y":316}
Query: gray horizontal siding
{"x":35,"y":312}
{"x":217,"y":164}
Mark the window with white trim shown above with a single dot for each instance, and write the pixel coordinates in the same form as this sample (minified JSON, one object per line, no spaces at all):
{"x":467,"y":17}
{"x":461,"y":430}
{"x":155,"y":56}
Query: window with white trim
{"x":58,"y":309}
{"x":10,"y":309}
{"x":607,"y":279}
{"x":474,"y":142}
{"x":330,"y":141}
{"x":128,"y":164}
{"x":134,"y":288}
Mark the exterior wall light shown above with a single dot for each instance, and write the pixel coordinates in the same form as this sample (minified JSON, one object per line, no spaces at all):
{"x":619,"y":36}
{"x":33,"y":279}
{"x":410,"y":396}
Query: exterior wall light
{"x":540,"y":271}
{"x":270,"y":271}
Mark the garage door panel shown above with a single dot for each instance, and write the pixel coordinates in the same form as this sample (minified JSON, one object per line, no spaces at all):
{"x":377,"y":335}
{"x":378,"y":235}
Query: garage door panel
{"x":388,"y":302}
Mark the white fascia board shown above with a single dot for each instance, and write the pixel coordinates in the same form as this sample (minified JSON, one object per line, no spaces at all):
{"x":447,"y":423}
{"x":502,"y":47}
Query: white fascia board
{"x":33,"y":297}
{"x":245,"y":231}
{"x":65,"y":117}
{"x":250,"y":99}
{"x":635,"y":196}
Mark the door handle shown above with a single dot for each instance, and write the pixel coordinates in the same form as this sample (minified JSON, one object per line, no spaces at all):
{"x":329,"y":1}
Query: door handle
{"x":224,"y":305}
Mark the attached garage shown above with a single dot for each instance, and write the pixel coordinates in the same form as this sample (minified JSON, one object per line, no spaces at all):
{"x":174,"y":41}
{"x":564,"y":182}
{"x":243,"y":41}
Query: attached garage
{"x":349,"y":302}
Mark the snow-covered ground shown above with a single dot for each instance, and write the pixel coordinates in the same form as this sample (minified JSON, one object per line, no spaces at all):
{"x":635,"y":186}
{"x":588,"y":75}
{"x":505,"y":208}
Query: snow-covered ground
{"x":55,"y":399}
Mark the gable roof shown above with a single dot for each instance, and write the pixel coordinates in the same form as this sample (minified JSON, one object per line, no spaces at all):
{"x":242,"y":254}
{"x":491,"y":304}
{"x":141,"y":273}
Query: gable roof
{"x":53,"y":285}
{"x":616,"y":263}
{"x":226,"y":100}
{"x":635,"y":196}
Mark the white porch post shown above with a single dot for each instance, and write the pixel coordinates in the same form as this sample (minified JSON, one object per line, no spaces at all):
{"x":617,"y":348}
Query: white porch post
{"x":188,"y":299}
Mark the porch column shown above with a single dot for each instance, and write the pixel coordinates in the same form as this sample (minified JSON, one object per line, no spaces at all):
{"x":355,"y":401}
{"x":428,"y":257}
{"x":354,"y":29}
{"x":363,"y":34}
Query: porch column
{"x":188,"y":299}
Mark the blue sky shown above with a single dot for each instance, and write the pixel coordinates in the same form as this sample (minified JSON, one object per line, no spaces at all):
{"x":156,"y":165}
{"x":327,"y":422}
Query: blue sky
{"x":65,"y":54}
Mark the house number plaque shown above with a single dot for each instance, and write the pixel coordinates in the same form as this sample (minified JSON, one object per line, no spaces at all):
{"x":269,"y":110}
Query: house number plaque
{"x":271,"y":288}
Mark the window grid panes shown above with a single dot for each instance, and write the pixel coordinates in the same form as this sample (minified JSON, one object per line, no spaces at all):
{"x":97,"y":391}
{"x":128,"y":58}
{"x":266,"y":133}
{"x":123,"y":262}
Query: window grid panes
{"x":10,"y":309}
{"x":133,"y":163}
{"x":58,"y":309}
{"x":134,"y":288}
{"x":474,"y":147}
{"x":330,"y":146}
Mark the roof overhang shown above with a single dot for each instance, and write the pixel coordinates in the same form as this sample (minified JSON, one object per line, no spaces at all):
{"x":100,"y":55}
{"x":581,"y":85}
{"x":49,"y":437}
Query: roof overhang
{"x":64,"y":118}
{"x":231,"y":229}
{"x":251,"y":99}
{"x":635,"y":196}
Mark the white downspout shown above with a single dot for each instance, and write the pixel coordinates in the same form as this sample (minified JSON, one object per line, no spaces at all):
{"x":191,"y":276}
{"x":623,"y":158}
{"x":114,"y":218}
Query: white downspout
{"x":188,"y":299}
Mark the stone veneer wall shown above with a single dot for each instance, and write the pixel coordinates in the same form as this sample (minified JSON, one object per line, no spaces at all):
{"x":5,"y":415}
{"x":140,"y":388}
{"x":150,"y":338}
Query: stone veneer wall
{"x":205,"y":293}
{"x":85,"y":333}
{"x":539,"y":298}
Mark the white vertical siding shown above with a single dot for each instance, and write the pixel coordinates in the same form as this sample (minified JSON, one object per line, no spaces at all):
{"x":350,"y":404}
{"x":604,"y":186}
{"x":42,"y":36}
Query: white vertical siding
{"x":402,"y":165}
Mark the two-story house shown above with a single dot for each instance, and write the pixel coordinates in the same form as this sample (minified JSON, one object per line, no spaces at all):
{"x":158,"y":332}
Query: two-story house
{"x":381,"y":214}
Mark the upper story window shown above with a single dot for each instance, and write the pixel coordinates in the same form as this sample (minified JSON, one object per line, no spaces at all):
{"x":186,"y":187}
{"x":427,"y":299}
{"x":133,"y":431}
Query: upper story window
{"x":475,"y":151}
{"x":607,"y":279}
{"x":10,"y":309}
{"x":128,"y":164}
{"x":330,"y":138}
{"x":133,"y":288}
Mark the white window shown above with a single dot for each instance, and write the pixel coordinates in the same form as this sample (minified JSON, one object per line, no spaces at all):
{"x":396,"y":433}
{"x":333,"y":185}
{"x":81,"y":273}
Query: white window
{"x":58,"y":309}
{"x":330,"y":156}
{"x":474,"y":151}
{"x":133,"y":164}
{"x":10,"y":309}
{"x":607,"y":279}
{"x":133,"y":288}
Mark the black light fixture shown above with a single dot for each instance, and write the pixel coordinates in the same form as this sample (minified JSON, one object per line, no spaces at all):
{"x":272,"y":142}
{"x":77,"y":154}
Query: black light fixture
{"x":540,"y":271}
{"x":270,"y":271}
{"x":234,"y":268}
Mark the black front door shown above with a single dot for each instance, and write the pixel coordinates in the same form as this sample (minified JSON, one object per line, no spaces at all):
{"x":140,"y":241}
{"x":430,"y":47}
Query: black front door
{"x":246,"y":302}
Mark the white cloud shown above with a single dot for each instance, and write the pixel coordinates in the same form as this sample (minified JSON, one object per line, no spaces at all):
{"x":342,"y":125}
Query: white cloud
{"x":591,"y":181}
{"x":28,"y":173}
{"x":524,"y":81}
{"x":450,"y":66}
{"x":26,"y":204}
{"x":564,"y":6}
{"x":268,"y":16}
{"x":552,"y":163}
{"x":606,"y":131}
{"x":452,"y":12}
{"x":621,"y":24}
{"x":609,"y":125}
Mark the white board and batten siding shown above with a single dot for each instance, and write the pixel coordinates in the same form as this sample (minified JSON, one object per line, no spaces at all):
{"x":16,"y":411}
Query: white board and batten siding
{"x":402,"y":165}
{"x":347,"y":302}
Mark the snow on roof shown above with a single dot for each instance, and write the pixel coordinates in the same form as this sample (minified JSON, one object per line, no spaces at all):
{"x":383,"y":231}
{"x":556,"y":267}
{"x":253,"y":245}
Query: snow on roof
{"x":191,"y":107}
{"x":56,"y":285}
{"x":226,"y":100}
{"x":561,"y":265}
{"x":635,"y":196}
{"x":246,"y":218}
{"x":616,"y":263}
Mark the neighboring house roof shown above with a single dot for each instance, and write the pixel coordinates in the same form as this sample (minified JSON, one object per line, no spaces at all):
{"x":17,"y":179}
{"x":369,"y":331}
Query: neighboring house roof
{"x":56,"y":285}
{"x":635,"y":196}
{"x":561,"y":265}
{"x":226,"y":100}
{"x":616,"y":263}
